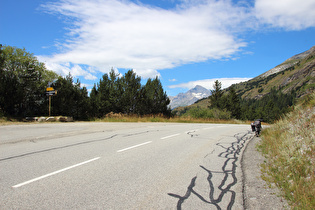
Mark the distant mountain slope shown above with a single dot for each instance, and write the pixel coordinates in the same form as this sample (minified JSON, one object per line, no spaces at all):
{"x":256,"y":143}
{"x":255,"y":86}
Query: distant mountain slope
{"x":295,"y":74}
{"x":288,"y":63}
{"x":190,"y":97}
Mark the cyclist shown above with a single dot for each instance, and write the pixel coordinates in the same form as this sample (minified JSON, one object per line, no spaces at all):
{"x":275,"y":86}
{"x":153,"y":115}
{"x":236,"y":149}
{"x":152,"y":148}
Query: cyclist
{"x":256,"y":126}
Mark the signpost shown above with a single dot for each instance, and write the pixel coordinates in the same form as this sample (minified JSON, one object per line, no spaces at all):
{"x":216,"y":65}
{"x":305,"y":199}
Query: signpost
{"x":50,"y":89}
{"x":50,"y":92}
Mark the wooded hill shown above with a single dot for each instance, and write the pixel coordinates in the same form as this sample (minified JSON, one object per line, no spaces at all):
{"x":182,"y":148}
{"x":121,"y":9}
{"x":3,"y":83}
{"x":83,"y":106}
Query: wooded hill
{"x":25,"y":82}
{"x":268,"y":95}
{"x":295,"y":74}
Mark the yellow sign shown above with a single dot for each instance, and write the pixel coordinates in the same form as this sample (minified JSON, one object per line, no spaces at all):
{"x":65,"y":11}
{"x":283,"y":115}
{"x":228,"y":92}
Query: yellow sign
{"x":49,"y":89}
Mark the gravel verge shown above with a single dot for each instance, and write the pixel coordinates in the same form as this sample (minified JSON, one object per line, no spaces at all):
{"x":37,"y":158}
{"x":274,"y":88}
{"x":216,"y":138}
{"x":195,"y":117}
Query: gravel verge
{"x":257,"y":194}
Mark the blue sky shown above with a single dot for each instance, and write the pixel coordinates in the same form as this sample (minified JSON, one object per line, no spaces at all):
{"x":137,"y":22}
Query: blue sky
{"x":184,"y":42}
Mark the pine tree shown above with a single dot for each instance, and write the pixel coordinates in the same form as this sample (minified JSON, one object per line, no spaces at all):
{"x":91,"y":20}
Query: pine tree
{"x":115,"y":92}
{"x":104,"y":95}
{"x":94,"y":103}
{"x":131,"y":85}
{"x":233,"y":103}
{"x":216,"y":96}
{"x":71,"y":99}
{"x":153,"y":98}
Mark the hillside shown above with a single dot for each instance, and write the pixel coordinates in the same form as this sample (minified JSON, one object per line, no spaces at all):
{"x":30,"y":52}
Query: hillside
{"x":289,"y":148}
{"x":296,"y":73}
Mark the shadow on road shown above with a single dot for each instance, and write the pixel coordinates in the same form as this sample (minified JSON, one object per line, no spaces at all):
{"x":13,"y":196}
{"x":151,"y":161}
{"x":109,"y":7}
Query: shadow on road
{"x":227,"y":181}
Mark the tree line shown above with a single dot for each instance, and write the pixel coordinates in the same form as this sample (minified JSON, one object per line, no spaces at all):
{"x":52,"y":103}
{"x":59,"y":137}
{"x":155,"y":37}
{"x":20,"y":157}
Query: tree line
{"x":269,"y":108}
{"x":23,"y":83}
{"x":227,"y":104}
{"x":126,"y":95}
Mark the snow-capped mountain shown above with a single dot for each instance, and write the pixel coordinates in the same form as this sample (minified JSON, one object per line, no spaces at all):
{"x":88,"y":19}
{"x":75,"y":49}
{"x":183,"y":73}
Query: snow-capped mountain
{"x":190,"y":97}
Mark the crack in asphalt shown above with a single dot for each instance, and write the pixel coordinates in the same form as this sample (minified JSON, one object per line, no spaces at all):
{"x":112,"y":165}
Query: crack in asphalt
{"x":231,"y":154}
{"x":134,"y":134}
{"x":191,"y":133}
{"x":56,"y":148}
{"x":72,"y":145}
{"x":51,"y":136}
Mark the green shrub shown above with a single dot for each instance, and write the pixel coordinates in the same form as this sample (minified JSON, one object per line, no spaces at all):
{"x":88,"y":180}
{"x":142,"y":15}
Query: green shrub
{"x":204,"y":113}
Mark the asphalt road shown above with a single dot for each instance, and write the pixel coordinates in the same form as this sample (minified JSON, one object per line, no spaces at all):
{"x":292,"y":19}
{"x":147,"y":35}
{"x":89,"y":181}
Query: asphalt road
{"x":122,"y":166}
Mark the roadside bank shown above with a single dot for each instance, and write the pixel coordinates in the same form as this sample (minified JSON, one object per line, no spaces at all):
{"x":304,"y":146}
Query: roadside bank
{"x":257,"y":193}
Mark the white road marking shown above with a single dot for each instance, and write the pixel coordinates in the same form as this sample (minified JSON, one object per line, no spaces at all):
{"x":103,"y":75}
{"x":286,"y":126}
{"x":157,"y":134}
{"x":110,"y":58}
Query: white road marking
{"x":170,"y":136}
{"x":53,"y":173}
{"x":138,"y":145}
{"x":221,"y":126}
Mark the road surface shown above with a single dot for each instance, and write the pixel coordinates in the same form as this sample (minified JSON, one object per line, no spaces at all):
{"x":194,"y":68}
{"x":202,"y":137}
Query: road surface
{"x":122,"y":166}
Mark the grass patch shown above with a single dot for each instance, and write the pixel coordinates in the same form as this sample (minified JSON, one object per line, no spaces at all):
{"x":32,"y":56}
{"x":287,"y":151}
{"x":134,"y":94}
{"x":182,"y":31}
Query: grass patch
{"x":114,"y":117}
{"x":289,"y":147}
{"x":9,"y":121}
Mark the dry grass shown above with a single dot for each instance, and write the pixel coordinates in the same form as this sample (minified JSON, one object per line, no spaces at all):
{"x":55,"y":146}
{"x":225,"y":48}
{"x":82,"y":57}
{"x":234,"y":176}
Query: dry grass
{"x":7,"y":121}
{"x":289,"y":146}
{"x":118,"y":117}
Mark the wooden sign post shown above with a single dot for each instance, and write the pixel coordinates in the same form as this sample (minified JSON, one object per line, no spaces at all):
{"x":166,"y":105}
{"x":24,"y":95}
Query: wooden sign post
{"x":50,"y":92}
{"x":49,"y":104}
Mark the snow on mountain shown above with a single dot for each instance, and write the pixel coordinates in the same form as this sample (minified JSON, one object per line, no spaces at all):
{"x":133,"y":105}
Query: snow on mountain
{"x":190,"y":97}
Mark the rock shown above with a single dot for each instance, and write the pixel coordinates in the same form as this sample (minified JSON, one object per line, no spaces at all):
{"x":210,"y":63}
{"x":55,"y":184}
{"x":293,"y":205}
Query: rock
{"x":42,"y":119}
{"x":63,"y":119}
{"x":69,"y":119}
{"x":50,"y":119}
{"x":31,"y":119}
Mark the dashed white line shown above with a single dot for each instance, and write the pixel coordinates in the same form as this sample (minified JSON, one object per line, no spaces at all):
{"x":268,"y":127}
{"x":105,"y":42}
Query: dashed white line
{"x":208,"y":128}
{"x":170,"y":136}
{"x":53,"y":173}
{"x":138,"y":145}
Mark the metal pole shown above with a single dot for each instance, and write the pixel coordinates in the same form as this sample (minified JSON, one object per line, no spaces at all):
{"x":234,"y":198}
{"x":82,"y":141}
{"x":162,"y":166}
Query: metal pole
{"x":49,"y":104}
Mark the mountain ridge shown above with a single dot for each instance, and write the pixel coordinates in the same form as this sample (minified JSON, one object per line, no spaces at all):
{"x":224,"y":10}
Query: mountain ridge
{"x":288,"y":63}
{"x":297,"y":73}
{"x":190,"y":97}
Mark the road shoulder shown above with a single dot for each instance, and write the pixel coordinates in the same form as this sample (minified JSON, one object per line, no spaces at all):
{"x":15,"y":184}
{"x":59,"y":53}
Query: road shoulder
{"x":257,"y":194}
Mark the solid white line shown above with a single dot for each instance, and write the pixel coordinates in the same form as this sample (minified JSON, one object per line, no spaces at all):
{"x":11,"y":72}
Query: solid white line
{"x":171,"y":136}
{"x":53,"y":173}
{"x":222,"y":126}
{"x":138,"y":145}
{"x":208,"y":128}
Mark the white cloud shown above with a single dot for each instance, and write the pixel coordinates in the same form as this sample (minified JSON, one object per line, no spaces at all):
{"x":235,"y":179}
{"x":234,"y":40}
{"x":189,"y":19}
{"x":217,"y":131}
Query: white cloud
{"x":88,"y":86}
{"x":127,"y":35}
{"x":287,"y":14}
{"x":147,"y":73}
{"x":208,"y":83}
{"x":65,"y":68}
{"x":122,"y":34}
